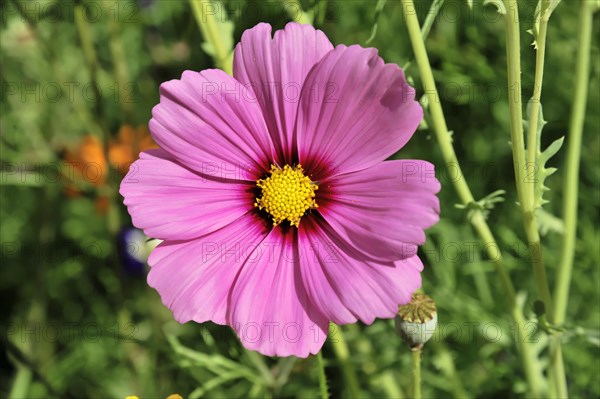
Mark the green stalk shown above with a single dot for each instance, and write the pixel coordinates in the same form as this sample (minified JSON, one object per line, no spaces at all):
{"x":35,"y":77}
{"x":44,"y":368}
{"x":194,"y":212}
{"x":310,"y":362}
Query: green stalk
{"x":435,"y":8}
{"x":389,"y":385}
{"x":537,"y":89}
{"x":556,"y":371}
{"x":532,"y":373}
{"x":322,"y":377}
{"x":524,"y":186}
{"x":513,"y":52}
{"x":21,"y":382}
{"x":513,"y":59}
{"x":120,"y":67}
{"x":558,"y":378}
{"x":343,"y":356}
{"x":571,"y":181}
{"x":416,"y":371}
{"x":210,"y":32}
{"x":89,"y":53}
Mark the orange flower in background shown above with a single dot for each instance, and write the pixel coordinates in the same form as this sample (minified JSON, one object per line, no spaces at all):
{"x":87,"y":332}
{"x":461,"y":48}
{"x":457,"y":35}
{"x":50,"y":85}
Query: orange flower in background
{"x":88,"y":166}
{"x":126,"y":148}
{"x":88,"y":161}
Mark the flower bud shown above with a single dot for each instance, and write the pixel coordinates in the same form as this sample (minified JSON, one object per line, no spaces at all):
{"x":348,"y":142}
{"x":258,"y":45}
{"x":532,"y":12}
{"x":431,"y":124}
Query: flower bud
{"x":416,"y":321}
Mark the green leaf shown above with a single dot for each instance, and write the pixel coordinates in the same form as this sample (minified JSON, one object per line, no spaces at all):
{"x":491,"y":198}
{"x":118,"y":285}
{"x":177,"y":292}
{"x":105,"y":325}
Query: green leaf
{"x":484,"y":205}
{"x":540,"y":171}
{"x":547,"y":222}
{"x":215,"y":363}
{"x":216,"y":382}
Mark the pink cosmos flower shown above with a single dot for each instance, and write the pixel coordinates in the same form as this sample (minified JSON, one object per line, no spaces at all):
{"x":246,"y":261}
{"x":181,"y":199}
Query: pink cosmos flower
{"x":270,"y":192}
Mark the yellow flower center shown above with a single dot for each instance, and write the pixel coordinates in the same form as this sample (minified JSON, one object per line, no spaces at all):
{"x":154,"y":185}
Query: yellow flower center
{"x":287,"y":194}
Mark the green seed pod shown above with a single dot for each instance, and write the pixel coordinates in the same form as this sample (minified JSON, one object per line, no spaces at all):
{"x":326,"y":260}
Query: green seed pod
{"x":417,"y":320}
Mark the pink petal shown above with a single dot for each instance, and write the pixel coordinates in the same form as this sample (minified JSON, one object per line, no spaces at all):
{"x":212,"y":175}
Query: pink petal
{"x":194,"y":278}
{"x":355,"y":111}
{"x":383,"y":210}
{"x":270,"y":309}
{"x":275,"y":70}
{"x":169,"y":201}
{"x":210,"y":124}
{"x":345,"y":284}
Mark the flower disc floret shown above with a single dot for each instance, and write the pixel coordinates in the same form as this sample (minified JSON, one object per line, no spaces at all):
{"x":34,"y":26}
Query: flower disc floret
{"x":286,"y":194}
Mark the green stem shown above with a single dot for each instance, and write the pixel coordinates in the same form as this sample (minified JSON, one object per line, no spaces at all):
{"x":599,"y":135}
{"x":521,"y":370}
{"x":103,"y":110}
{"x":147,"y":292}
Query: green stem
{"x":340,"y":348}
{"x":322,"y":377}
{"x":533,"y":373}
{"x":537,"y":91}
{"x":435,"y":8}
{"x":532,"y":139}
{"x":416,"y":371}
{"x":557,"y":368}
{"x":437,"y":115}
{"x":121,"y":71}
{"x":208,"y":26}
{"x":257,"y":360}
{"x":22,"y":359}
{"x":448,"y":368}
{"x":525,"y":187}
{"x":319,"y":12}
{"x":513,"y":59}
{"x":571,"y":178}
{"x":571,"y":181}
{"x":21,"y":382}
{"x":523,"y":183}
{"x":558,"y":381}
{"x":85,"y":36}
{"x":389,"y":385}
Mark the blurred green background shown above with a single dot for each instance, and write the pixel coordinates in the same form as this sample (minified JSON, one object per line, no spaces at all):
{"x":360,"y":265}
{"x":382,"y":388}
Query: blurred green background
{"x":78,"y":319}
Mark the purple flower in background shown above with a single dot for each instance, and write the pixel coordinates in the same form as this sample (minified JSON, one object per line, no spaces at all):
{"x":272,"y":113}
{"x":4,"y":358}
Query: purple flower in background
{"x":134,"y":248}
{"x":271,"y":193}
